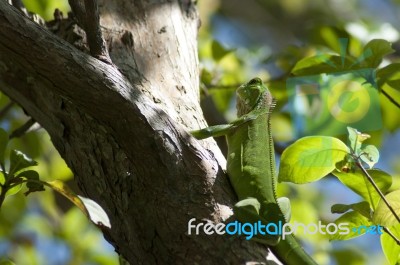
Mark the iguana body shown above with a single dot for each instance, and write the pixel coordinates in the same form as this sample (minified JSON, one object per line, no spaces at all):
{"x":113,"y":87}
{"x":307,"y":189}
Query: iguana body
{"x":251,"y":167}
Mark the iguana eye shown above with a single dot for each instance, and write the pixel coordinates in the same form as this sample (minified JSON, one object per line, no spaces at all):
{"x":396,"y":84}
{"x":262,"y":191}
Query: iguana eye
{"x":255,"y":81}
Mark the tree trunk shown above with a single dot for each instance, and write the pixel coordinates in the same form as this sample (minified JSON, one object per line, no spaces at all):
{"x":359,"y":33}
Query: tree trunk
{"x":122,"y":128}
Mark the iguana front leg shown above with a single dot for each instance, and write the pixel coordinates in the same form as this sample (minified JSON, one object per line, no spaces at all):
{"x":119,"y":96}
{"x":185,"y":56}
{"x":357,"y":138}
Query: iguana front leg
{"x":224,"y":129}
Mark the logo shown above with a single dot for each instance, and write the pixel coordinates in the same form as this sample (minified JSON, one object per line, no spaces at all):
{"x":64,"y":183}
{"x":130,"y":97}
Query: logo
{"x":251,"y":230}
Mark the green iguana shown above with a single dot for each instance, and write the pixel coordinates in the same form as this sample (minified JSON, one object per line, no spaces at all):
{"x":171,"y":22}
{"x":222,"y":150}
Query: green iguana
{"x":251,"y":168}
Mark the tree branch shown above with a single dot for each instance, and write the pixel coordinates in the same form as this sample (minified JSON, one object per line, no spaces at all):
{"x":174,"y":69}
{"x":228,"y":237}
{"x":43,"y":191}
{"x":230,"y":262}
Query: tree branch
{"x":88,"y":16}
{"x":97,"y":88}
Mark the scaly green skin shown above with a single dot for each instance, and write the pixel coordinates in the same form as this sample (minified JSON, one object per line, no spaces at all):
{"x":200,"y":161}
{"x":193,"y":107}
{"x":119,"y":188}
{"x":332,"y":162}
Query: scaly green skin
{"x":251,"y":168}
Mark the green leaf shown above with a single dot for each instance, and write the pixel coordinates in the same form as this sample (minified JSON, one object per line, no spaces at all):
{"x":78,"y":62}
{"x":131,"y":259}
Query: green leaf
{"x":96,"y":213}
{"x":90,"y":208}
{"x":390,"y":247}
{"x":18,"y":161}
{"x":390,"y":75}
{"x":14,"y":190}
{"x":33,"y":187}
{"x":219,"y":51}
{"x":355,"y":224}
{"x":2,"y":178}
{"x":382,"y":215}
{"x":356,"y":138}
{"x":28,"y":174}
{"x":360,"y":207}
{"x":371,"y":57}
{"x":321,"y":64}
{"x":378,"y":48}
{"x":32,"y":178}
{"x":311,"y":158}
{"x":370,"y":155}
{"x":358,"y":183}
{"x":64,"y":190}
{"x":3,"y":144}
{"x":340,"y":208}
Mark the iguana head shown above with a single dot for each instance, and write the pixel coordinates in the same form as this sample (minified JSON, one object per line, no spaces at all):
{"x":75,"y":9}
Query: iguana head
{"x":253,"y":94}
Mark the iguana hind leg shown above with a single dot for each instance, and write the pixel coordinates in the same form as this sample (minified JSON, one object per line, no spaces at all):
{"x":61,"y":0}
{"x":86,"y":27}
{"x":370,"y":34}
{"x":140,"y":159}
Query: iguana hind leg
{"x":248,"y":211}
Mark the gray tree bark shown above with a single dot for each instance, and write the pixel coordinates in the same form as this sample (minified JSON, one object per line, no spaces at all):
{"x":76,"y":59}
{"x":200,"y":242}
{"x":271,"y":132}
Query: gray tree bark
{"x":122,"y":128}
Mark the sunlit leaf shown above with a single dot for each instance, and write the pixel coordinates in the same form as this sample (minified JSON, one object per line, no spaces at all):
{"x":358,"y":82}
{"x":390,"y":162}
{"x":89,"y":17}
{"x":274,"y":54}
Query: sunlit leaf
{"x":356,"y":138}
{"x":383,"y":215}
{"x":358,"y":183}
{"x":355,"y":226}
{"x":96,"y":213}
{"x":64,"y":190}
{"x":14,"y":190}
{"x":311,"y":158}
{"x":2,"y":178}
{"x":46,"y":7}
{"x":370,"y":155}
{"x":389,"y":246}
{"x":321,"y":64}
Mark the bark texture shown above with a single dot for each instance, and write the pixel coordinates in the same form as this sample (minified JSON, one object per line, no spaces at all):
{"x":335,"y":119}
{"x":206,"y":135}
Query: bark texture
{"x":122,"y":128}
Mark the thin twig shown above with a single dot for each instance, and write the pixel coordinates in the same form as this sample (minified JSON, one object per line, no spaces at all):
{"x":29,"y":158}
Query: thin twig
{"x":377,"y":189}
{"x":390,"y":98}
{"x":23,"y":129}
{"x":97,"y":44}
{"x":88,"y":17}
{"x":391,"y":235}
